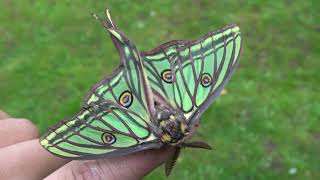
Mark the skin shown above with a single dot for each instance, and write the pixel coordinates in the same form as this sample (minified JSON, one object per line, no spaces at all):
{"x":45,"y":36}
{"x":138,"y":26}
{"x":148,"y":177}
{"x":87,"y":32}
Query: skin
{"x":22,"y":157}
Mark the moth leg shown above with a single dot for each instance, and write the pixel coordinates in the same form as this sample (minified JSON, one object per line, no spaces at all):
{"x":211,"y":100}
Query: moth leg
{"x":197,"y":144}
{"x":172,"y":161}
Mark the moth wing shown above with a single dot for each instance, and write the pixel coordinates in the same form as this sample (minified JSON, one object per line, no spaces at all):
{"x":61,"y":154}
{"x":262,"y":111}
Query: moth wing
{"x":189,"y":75}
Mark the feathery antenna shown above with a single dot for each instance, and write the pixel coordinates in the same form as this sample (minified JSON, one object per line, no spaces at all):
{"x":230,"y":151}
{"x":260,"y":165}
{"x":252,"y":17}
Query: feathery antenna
{"x":108,"y":23}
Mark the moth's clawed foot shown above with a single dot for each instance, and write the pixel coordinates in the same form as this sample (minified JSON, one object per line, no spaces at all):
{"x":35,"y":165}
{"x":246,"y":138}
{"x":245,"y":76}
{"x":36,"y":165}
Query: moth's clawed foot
{"x":197,"y":144}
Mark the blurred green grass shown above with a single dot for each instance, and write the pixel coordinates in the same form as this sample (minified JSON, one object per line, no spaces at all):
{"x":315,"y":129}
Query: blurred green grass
{"x":267,"y":125}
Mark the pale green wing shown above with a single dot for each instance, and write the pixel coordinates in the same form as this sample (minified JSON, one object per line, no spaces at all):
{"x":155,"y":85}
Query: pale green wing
{"x":189,"y":74}
{"x":101,"y":130}
{"x":116,"y":114}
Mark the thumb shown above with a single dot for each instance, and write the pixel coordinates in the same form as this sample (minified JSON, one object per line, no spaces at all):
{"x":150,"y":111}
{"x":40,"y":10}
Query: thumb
{"x":131,"y":167}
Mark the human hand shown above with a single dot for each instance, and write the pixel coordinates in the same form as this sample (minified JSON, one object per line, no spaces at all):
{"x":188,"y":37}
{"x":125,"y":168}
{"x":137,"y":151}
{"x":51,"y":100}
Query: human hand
{"x":22,"y":157}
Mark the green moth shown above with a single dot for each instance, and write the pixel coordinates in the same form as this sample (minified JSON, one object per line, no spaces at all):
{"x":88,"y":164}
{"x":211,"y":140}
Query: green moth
{"x":153,"y":99}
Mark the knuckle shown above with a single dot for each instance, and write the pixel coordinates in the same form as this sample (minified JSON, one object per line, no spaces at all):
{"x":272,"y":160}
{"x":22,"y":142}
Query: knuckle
{"x":105,"y":169}
{"x":120,"y":169}
{"x":87,"y":171}
{"x":110,"y":170}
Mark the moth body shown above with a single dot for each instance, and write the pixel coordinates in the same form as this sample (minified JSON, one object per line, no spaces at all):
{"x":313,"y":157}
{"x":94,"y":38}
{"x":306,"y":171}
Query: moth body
{"x":172,"y":124}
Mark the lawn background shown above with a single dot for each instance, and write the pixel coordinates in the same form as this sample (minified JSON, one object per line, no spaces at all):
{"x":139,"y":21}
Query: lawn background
{"x":266,"y":126}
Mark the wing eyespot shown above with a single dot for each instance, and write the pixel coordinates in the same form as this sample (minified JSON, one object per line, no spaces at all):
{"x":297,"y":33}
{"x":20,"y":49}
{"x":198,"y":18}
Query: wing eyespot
{"x":166,"y":76}
{"x":206,"y":80}
{"x":108,"y":138}
{"x":126,"y":99}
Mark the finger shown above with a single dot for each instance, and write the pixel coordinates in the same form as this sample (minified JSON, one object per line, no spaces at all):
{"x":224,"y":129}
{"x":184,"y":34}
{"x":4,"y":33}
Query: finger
{"x":134,"y":166}
{"x":27,"y":160}
{"x":13,"y":131}
{"x":3,"y":115}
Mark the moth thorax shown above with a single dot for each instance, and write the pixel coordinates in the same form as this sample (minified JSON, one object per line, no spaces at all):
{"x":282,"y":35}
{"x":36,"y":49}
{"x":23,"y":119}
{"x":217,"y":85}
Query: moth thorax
{"x":172,"y":124}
